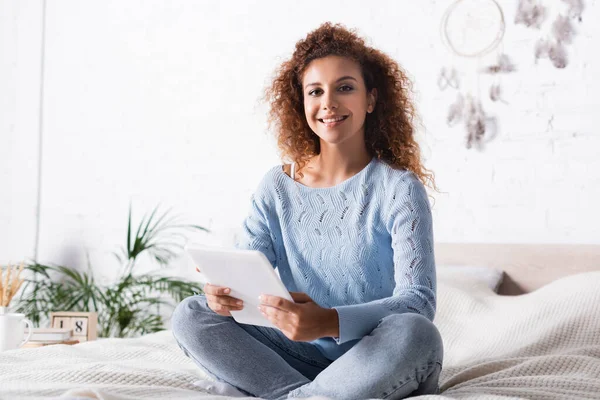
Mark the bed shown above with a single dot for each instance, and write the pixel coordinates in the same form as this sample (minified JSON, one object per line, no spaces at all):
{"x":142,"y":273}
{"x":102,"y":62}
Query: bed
{"x":537,"y":338}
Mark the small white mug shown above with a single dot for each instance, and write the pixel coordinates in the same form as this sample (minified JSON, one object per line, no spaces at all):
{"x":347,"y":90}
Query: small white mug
{"x":11,"y":331}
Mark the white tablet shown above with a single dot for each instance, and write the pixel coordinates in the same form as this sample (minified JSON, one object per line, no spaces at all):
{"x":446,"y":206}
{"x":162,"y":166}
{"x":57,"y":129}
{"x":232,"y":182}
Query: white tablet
{"x":248,"y":273}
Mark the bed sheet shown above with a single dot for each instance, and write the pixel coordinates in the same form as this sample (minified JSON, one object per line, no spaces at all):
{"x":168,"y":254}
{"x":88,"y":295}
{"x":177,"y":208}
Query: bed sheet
{"x":542,"y":345}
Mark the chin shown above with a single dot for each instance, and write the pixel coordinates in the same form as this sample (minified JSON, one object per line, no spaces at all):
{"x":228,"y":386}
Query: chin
{"x":333,"y":138}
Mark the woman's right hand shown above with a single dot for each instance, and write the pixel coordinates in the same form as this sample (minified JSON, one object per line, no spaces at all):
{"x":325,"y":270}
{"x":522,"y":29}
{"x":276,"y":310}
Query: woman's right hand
{"x":219,"y":301}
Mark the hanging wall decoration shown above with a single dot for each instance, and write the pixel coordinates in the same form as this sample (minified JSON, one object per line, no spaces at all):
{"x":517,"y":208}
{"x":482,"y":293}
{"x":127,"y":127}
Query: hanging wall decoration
{"x":472,"y":29}
{"x":553,"y":46}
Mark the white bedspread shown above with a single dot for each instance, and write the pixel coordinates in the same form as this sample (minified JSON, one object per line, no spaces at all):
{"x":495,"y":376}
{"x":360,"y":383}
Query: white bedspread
{"x":543,"y":345}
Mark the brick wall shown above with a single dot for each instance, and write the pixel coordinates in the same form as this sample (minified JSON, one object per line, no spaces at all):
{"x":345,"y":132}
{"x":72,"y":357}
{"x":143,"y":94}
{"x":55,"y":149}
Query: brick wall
{"x":160,"y":104}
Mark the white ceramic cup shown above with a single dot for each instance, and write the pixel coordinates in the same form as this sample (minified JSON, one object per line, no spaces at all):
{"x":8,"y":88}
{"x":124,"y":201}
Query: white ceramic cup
{"x":11,"y":331}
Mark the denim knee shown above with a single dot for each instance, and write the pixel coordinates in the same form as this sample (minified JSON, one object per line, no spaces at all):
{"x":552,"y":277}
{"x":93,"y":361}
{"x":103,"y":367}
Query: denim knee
{"x":417,"y":332}
{"x":417,"y":323}
{"x":187,"y":316}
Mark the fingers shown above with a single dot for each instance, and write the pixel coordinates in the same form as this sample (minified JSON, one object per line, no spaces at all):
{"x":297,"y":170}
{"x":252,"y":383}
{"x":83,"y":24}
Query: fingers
{"x":277,"y":302}
{"x":216,"y":290}
{"x":219,"y":309}
{"x":197,"y":269}
{"x":222,"y":309}
{"x":286,"y":322}
{"x":220,"y":302}
{"x":300,"y":297}
{"x":228,"y":301}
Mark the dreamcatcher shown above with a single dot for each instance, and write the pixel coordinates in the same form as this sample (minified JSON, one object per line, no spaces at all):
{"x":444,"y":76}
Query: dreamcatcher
{"x":472,"y":29}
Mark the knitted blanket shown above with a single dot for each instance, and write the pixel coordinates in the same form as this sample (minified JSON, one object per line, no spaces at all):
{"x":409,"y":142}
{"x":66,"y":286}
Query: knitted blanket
{"x":542,"y":345}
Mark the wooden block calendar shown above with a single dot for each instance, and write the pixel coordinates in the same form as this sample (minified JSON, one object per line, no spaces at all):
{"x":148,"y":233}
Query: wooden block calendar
{"x":83,"y":324}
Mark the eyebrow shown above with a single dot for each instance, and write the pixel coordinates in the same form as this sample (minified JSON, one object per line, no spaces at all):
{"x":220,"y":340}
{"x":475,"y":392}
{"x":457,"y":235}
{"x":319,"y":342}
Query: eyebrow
{"x":341,"y":79}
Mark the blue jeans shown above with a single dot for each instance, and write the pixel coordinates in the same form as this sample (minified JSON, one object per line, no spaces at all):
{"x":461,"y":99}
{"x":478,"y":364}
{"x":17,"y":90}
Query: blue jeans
{"x":401,"y":357}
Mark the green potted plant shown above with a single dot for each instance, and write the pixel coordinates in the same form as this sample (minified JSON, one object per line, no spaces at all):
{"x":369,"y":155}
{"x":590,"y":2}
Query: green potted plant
{"x":129,"y":307}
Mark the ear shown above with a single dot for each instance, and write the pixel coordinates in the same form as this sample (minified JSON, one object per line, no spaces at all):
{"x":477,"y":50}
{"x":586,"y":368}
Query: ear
{"x":372,"y":100}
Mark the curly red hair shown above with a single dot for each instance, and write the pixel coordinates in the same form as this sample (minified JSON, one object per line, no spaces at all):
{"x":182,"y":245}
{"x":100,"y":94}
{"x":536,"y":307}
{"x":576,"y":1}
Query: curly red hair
{"x":389,"y":130}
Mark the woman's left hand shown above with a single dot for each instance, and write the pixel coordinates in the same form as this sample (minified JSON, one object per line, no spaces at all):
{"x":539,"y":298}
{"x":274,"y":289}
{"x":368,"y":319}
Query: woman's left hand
{"x":301,"y":321}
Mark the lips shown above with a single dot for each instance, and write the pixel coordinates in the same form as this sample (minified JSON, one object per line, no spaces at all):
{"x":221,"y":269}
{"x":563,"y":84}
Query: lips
{"x":331,"y":120}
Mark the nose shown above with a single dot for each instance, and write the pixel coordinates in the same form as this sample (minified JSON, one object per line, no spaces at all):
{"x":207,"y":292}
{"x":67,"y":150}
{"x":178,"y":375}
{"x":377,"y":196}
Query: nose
{"x":328,"y":101}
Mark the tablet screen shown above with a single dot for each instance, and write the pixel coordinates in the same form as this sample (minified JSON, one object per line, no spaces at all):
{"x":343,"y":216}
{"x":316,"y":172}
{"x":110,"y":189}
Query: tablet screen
{"x":248,"y":273}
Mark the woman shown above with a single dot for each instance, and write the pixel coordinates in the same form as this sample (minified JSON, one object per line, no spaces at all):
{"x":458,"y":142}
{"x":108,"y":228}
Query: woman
{"x":348,"y":226}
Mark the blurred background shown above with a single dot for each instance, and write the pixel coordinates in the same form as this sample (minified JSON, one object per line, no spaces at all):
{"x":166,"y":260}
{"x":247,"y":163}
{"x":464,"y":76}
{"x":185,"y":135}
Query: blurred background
{"x":109,"y":103}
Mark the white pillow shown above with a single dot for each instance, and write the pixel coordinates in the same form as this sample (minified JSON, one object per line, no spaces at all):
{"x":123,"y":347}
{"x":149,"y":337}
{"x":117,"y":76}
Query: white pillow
{"x":466,"y":276}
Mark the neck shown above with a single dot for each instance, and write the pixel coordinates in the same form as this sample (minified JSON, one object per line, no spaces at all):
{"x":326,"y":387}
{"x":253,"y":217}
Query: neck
{"x":335,"y":163}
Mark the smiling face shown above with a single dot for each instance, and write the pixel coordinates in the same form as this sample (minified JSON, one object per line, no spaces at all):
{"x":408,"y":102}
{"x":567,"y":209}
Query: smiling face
{"x":336,"y":101}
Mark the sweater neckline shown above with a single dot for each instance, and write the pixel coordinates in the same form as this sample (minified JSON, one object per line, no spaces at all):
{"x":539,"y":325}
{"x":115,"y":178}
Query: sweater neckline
{"x":334,"y":187}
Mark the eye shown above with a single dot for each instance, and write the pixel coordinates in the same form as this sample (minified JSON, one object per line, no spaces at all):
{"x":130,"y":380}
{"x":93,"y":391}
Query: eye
{"x":343,"y":88}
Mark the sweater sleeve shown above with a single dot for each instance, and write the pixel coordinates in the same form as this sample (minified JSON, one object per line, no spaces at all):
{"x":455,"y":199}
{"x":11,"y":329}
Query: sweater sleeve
{"x":256,"y":233}
{"x":410,"y":226}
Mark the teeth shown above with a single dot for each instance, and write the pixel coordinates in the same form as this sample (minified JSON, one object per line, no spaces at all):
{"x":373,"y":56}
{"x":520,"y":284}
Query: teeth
{"x":330,"y":120}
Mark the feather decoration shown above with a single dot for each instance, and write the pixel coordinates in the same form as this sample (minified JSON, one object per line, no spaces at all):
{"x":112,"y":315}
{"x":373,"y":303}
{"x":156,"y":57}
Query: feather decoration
{"x":475,"y":123}
{"x":575,"y":8}
{"x":503,"y":65}
{"x":555,"y":51}
{"x":530,"y":14}
{"x":495,"y":92}
{"x":455,"y":111}
{"x":562,"y":29}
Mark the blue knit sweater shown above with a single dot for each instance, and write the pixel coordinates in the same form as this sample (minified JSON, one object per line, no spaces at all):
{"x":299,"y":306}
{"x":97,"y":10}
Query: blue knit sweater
{"x":363,"y":247}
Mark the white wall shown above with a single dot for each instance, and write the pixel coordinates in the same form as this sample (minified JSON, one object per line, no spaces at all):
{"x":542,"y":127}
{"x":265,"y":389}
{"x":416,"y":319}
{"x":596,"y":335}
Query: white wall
{"x":20,"y":60}
{"x":159,"y":102}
